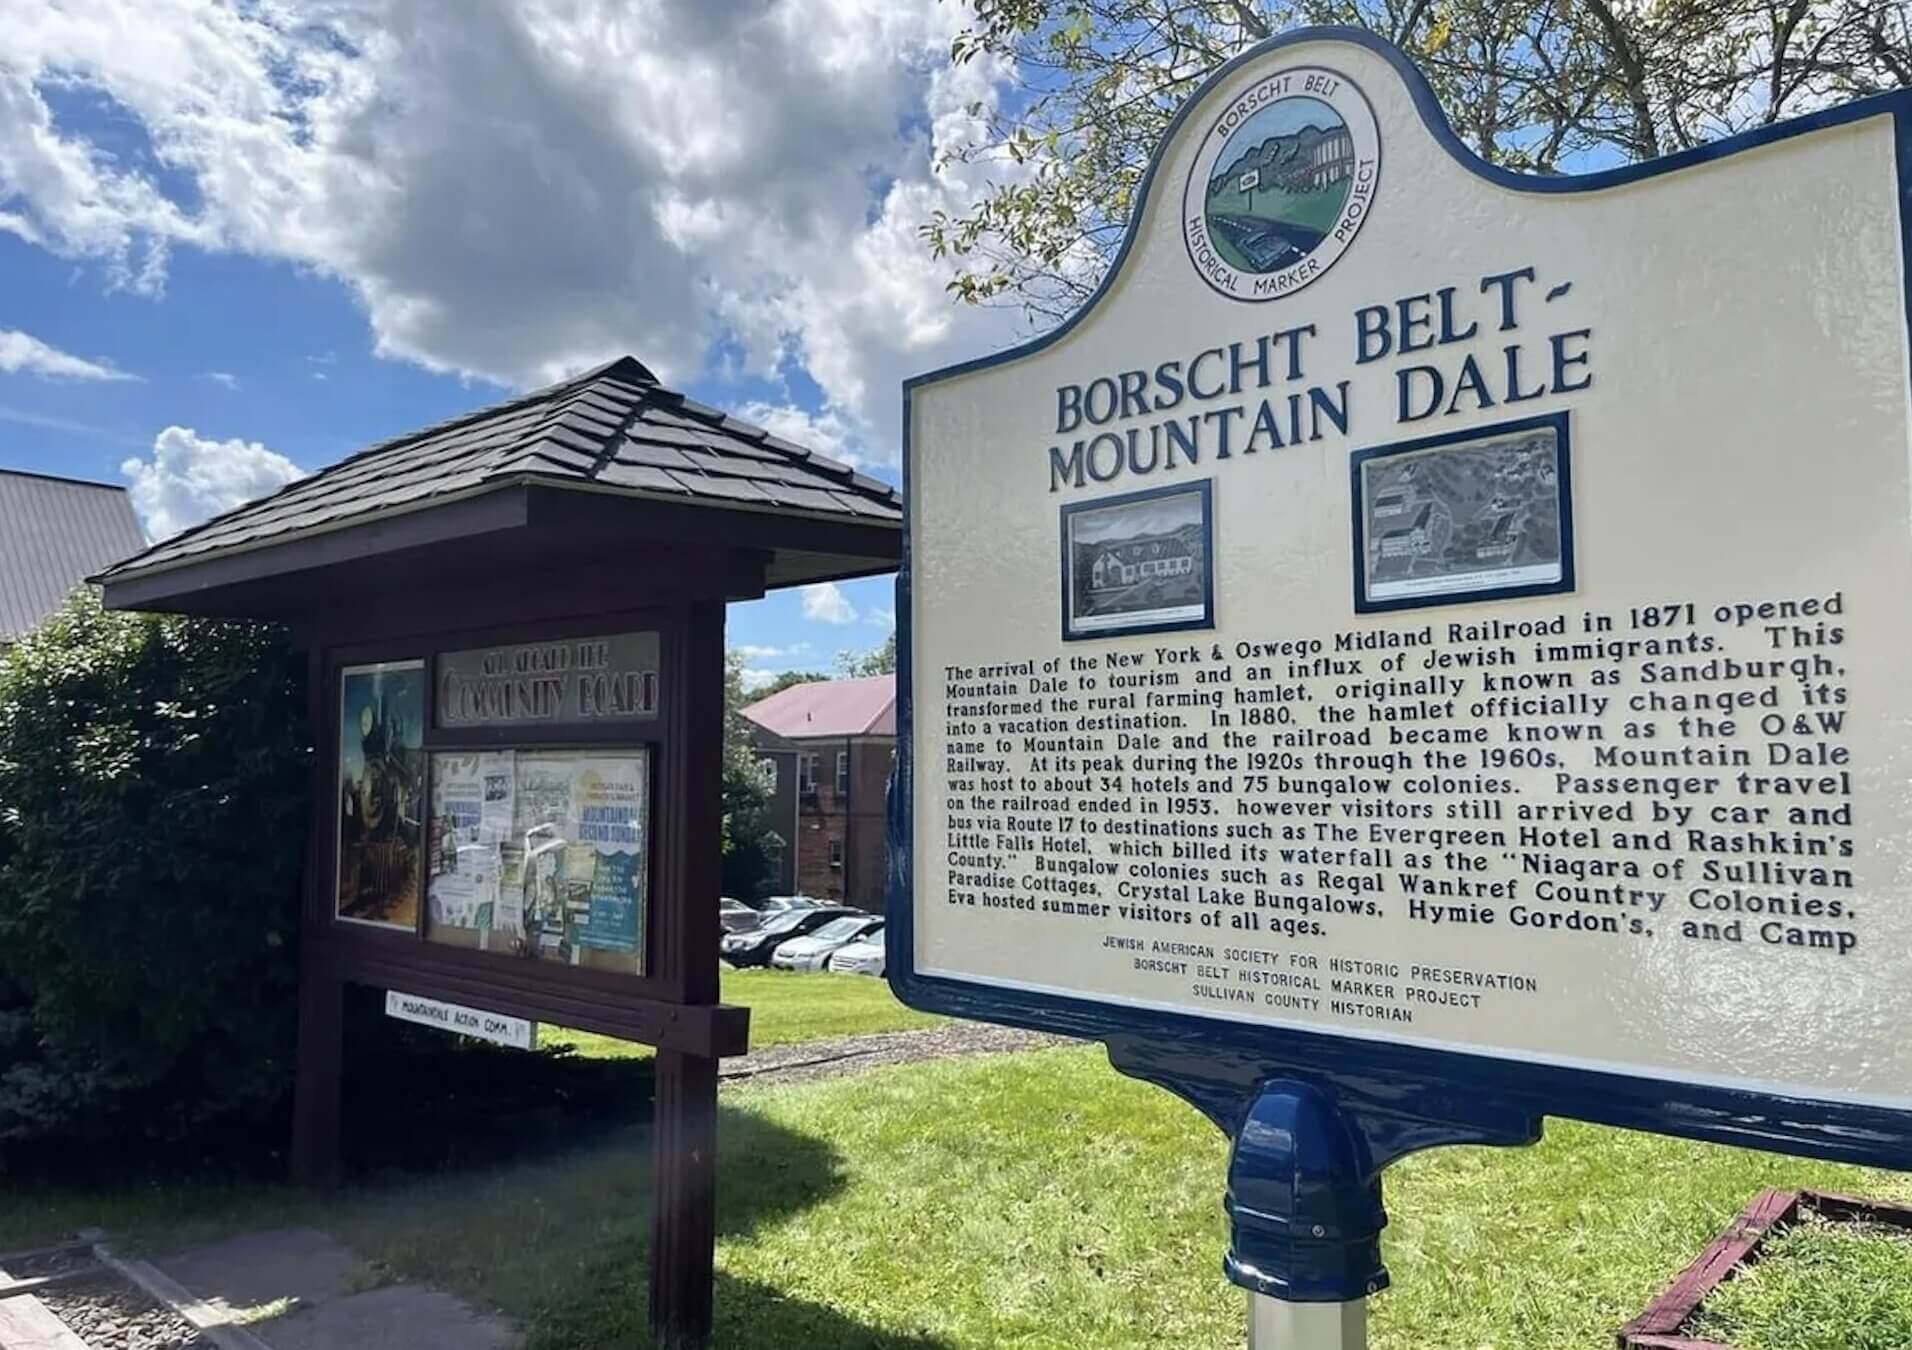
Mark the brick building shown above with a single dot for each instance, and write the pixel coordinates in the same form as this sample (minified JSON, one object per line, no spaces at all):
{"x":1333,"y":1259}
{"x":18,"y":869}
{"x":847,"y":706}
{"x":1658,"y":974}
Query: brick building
{"x":844,"y":732}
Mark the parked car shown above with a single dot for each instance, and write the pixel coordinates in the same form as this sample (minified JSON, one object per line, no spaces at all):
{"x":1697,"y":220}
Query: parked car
{"x":810,"y":951}
{"x":868,"y":955}
{"x":736,"y":916}
{"x":754,"y":948}
{"x":776,"y":904}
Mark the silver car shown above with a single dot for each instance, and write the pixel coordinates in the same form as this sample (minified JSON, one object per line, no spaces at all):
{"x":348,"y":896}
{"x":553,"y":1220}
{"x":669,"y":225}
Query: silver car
{"x":810,"y":951}
{"x":868,"y":955}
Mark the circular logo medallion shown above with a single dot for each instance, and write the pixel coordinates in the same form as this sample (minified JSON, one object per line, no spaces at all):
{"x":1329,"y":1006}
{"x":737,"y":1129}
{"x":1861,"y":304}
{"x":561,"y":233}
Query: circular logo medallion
{"x":1283,"y":181}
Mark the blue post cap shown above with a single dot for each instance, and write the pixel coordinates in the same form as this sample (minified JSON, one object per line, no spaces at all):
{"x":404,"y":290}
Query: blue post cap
{"x":1304,"y":1201}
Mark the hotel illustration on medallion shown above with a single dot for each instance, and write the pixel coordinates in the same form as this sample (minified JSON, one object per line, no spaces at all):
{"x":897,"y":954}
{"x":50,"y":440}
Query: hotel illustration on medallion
{"x":1280,"y":184}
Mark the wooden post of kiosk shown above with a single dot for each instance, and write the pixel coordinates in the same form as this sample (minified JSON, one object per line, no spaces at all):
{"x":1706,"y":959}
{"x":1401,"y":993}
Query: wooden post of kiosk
{"x":528,"y":596}
{"x":684,"y":1214}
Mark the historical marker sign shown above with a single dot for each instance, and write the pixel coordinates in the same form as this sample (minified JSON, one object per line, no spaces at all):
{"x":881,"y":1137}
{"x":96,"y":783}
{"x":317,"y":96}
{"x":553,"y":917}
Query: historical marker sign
{"x":1479,"y":633}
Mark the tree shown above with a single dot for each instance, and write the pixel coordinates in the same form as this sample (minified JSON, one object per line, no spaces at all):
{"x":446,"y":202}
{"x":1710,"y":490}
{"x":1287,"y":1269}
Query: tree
{"x":788,"y":679}
{"x":880,"y":660}
{"x":1539,"y":86}
{"x":153,"y":811}
{"x":748,"y":785}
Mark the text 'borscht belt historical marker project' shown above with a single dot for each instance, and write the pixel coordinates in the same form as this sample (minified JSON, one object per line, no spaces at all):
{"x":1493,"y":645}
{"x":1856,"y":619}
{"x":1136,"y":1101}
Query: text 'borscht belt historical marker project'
{"x":1433,"y":654}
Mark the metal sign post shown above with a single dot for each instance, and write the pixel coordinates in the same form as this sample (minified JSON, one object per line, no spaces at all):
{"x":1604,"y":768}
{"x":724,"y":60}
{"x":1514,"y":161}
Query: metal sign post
{"x":1306,"y":1211}
{"x":1275,"y":1325}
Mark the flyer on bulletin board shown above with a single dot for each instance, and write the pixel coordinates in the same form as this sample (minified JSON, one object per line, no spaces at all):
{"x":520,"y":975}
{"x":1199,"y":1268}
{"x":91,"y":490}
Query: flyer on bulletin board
{"x":471,"y":821}
{"x":610,"y":805}
{"x":542,"y":854}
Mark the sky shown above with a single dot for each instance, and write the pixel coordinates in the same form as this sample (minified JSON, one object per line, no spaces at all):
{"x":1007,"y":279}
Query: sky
{"x":240,"y":241}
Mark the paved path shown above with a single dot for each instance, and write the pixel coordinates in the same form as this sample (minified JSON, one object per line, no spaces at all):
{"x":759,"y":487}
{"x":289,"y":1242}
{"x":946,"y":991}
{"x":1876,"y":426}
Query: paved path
{"x":851,"y":1054}
{"x":297,"y":1289}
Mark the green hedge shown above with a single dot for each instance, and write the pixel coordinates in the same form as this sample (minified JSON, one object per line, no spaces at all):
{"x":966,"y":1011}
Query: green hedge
{"x":153,"y":798}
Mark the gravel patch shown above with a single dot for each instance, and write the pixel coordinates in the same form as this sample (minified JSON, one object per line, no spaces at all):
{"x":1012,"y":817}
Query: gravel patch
{"x":853,"y":1054}
{"x":110,"y":1314}
{"x":43,"y":1264}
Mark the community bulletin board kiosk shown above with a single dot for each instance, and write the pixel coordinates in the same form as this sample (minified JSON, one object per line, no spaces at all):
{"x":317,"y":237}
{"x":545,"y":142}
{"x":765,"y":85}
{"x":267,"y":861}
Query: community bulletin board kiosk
{"x":515,"y":623}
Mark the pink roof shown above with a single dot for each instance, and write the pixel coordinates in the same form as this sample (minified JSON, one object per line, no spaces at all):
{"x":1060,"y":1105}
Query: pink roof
{"x":865,"y":707}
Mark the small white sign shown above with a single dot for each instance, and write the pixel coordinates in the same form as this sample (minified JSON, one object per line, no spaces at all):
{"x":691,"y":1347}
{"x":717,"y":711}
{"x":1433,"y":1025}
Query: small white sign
{"x":515,"y":1032}
{"x":1250,"y":181}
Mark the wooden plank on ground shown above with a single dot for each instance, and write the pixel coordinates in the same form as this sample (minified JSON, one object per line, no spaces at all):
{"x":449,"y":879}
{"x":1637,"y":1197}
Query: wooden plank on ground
{"x":215,"y":1325}
{"x":1658,"y":1327}
{"x":20,"y":1288}
{"x":28,"y":1324}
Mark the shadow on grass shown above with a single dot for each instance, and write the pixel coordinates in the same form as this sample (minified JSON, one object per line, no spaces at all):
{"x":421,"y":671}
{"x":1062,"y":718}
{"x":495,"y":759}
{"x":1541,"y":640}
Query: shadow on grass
{"x":753,"y":1316}
{"x":412,"y":1107}
{"x":750,"y":1316}
{"x":521,"y":1181}
{"x":562,"y":1243}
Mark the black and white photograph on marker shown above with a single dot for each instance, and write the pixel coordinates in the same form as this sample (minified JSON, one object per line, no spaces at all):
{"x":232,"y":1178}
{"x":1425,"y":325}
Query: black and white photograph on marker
{"x":1476,"y":515}
{"x":1138,"y":563}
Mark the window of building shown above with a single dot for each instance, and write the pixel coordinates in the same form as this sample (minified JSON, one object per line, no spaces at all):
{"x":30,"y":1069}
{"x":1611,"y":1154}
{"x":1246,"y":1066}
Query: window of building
{"x":807,"y":775}
{"x":843,"y":773}
{"x":836,"y":855}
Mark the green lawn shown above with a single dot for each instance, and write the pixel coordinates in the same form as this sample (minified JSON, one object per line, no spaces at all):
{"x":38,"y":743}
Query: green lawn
{"x":785,"y":1009}
{"x":1819,"y":1286}
{"x":1033,"y":1200}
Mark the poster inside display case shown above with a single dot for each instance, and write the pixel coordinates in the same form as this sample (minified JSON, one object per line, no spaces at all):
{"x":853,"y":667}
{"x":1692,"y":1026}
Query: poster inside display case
{"x":542,"y":854}
{"x":381,"y":793}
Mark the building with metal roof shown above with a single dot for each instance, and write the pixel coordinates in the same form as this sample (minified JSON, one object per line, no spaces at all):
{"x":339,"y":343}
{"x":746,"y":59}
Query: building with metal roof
{"x":54,"y":533}
{"x":830,"y":708}
{"x":844,"y":732}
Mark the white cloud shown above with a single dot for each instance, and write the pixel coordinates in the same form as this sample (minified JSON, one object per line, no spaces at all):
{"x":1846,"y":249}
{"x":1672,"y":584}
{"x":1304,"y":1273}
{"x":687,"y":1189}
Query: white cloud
{"x":190,"y":478}
{"x":22,"y":352}
{"x":28,"y":418}
{"x":758,"y":655}
{"x":753,"y":680}
{"x":828,"y":432}
{"x":223,"y":377}
{"x":826,"y":603}
{"x":513,"y":191}
{"x":880,"y":617}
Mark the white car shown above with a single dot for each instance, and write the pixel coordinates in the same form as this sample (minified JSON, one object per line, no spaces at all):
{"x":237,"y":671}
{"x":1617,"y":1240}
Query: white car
{"x":865,"y":956}
{"x":777,"y":904}
{"x":813,"y":949}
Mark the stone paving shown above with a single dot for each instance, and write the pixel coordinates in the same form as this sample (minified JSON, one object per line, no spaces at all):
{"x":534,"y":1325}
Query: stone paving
{"x":297,"y":1289}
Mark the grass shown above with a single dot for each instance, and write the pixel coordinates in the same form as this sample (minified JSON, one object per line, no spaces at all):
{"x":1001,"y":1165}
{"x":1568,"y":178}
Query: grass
{"x":785,"y":1009}
{"x":1032,"y":1202}
{"x":1036,"y":1201}
{"x":1818,"y":1286}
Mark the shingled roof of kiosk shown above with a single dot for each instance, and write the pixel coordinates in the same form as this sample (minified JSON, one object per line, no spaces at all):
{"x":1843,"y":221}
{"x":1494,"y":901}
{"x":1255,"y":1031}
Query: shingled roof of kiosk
{"x":612,"y":430}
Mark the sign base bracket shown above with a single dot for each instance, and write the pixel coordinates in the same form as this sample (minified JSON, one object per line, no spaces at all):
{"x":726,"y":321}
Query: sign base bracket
{"x":1304,"y":1174}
